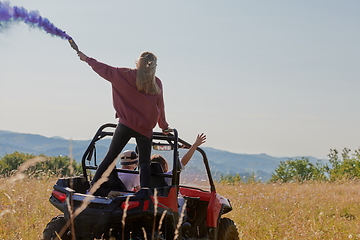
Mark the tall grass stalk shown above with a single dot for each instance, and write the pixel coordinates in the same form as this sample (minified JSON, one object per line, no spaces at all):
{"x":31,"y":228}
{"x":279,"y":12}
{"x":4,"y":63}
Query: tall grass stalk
{"x":161,"y":220}
{"x":124,"y":216}
{"x":181,"y":218}
{"x":144,"y":232}
{"x":155,"y":213}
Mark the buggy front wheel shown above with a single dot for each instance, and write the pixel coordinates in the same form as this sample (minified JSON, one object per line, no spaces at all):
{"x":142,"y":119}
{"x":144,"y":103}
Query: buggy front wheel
{"x":227,"y":230}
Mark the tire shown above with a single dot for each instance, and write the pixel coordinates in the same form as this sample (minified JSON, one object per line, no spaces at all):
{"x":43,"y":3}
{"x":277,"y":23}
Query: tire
{"x":55,"y":225}
{"x":227,"y":230}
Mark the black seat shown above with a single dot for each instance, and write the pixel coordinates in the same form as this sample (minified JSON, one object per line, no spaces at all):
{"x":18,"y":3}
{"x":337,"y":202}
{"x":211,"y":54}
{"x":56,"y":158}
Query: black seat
{"x":112,"y":184}
{"x":156,"y":180}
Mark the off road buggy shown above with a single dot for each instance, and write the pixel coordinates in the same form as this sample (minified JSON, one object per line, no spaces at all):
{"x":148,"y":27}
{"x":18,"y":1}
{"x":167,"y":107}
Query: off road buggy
{"x":150,"y":213}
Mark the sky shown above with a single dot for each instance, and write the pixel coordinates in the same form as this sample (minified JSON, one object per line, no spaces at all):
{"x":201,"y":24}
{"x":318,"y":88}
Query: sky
{"x":277,"y":77}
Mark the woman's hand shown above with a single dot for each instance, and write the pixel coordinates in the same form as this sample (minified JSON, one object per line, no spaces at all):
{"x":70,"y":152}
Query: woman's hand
{"x":200,"y":139}
{"x":167,"y":131}
{"x":82,"y":56}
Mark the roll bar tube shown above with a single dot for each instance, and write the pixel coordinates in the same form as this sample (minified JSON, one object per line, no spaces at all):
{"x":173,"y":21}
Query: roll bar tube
{"x":171,"y":138}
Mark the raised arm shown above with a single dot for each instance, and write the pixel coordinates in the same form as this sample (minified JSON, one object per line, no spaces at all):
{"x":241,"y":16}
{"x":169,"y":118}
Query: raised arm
{"x":105,"y":71}
{"x":200,"y":139}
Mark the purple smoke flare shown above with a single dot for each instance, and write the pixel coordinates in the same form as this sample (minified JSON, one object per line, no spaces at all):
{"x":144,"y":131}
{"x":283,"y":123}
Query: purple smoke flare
{"x":10,"y":14}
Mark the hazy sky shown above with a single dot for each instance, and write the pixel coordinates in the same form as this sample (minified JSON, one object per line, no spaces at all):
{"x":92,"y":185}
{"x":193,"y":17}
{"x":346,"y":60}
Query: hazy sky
{"x":274,"y":77}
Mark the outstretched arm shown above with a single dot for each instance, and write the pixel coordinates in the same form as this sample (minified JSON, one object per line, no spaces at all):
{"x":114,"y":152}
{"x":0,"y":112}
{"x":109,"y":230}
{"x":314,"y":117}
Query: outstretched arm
{"x":100,"y":68}
{"x":200,"y":139}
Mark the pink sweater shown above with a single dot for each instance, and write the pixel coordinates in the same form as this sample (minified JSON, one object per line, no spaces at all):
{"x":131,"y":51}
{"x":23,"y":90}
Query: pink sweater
{"x":136,"y":110}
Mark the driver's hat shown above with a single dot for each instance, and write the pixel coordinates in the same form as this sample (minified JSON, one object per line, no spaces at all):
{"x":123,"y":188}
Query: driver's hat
{"x":128,"y":157}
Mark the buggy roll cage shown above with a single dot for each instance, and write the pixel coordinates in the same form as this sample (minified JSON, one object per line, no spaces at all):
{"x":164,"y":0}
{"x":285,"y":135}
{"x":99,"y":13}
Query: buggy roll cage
{"x":171,"y":138}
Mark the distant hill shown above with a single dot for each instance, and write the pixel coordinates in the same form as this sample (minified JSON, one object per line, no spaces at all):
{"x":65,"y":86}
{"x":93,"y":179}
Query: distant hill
{"x":220,"y":161}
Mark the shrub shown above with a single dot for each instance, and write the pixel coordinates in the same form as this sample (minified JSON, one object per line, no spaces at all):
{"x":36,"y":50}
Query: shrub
{"x":59,"y":166}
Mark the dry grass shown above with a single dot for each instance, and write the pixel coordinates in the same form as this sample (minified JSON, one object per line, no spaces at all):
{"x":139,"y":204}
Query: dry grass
{"x":261,"y":211}
{"x":24,"y":208}
{"x":295,"y":211}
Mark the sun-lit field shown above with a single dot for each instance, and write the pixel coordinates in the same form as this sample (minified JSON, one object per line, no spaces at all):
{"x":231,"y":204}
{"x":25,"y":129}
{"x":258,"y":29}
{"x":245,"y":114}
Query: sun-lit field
{"x":295,"y":211}
{"x":25,"y":208}
{"x":261,"y":211}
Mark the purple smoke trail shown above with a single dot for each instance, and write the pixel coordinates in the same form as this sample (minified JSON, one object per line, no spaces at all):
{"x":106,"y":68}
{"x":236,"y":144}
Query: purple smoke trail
{"x":10,"y":14}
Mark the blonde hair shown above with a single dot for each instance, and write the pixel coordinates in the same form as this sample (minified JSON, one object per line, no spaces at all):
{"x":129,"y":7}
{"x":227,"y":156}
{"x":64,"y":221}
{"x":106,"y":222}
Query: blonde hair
{"x":145,"y":74}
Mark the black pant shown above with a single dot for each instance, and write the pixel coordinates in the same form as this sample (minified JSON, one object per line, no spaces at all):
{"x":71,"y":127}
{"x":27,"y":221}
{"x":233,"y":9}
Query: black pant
{"x":121,"y":137}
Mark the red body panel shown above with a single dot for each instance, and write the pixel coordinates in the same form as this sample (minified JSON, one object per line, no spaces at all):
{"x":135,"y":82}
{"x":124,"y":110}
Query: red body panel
{"x":213,"y":210}
{"x":168,"y":202}
{"x":214,"y":207}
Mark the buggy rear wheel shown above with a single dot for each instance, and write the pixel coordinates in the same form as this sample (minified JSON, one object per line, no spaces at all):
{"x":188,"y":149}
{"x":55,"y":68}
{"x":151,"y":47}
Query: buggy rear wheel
{"x":55,"y":225}
{"x":227,"y":230}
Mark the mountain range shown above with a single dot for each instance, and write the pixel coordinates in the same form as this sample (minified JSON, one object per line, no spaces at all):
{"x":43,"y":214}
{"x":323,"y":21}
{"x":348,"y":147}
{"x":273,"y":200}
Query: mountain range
{"x":224,"y":162}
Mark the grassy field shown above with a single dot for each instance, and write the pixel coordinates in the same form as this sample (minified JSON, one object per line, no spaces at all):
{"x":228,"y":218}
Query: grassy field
{"x":261,"y":211}
{"x":24,"y":208}
{"x":295,"y":211}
